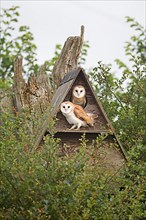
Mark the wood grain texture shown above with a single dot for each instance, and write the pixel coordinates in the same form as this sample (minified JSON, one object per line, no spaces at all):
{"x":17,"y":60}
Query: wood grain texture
{"x":69,"y":56}
{"x":19,"y":85}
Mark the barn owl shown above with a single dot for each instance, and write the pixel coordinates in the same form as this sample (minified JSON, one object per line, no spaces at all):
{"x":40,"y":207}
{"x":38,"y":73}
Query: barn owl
{"x":79,"y":95}
{"x":75,"y":115}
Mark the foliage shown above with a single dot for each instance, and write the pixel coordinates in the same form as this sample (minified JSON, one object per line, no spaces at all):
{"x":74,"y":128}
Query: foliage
{"x":137,"y":44}
{"x":124,"y":98}
{"x":40,"y":184}
{"x":11,"y":45}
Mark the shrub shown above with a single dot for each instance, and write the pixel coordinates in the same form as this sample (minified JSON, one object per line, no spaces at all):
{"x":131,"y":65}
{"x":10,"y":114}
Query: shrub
{"x":38,"y":184}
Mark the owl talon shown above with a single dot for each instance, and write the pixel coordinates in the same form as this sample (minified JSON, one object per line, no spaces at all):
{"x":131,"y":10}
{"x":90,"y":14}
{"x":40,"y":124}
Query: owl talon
{"x":73,"y":127}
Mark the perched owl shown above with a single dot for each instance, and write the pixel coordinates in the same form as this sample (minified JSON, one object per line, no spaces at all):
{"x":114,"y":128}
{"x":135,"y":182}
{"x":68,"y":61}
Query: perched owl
{"x":79,"y":95}
{"x":75,"y":115}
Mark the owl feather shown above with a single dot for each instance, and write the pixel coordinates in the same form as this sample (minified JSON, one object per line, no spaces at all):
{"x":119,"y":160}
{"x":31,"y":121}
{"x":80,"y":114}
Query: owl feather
{"x":79,"y":95}
{"x":76,"y":115}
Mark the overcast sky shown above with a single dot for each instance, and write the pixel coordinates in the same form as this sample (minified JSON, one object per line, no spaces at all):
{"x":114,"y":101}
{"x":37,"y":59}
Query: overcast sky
{"x":51,"y":22}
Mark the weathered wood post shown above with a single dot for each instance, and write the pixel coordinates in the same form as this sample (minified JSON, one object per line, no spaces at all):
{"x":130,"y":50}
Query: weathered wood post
{"x":19,"y":85}
{"x":69,"y":56}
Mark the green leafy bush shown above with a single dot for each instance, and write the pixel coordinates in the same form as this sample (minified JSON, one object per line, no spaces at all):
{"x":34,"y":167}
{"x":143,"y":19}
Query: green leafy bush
{"x":40,"y":184}
{"x":11,"y":45}
{"x":123,"y":98}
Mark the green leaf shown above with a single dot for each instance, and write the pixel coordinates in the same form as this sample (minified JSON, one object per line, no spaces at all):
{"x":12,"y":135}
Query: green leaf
{"x":14,"y":20}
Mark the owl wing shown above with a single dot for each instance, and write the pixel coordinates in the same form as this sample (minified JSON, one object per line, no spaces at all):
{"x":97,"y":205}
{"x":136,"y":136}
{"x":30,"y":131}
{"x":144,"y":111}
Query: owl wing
{"x":81,"y":114}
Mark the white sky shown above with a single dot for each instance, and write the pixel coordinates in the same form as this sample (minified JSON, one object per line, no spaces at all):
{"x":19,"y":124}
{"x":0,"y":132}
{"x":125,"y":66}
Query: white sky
{"x":51,"y":22}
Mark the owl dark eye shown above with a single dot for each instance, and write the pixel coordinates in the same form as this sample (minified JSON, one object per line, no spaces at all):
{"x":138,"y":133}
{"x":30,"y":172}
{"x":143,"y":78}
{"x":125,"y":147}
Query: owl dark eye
{"x":63,"y":106}
{"x":81,"y":91}
{"x":76,"y":90}
{"x":68,"y":106}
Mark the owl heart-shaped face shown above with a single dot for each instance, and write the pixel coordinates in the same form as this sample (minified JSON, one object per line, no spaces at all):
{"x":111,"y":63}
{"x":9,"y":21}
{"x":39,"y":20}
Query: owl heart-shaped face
{"x":79,"y":91}
{"x":66,"y":107}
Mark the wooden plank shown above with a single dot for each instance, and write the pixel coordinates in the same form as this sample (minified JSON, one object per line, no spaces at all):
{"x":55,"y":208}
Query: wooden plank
{"x":60,"y":95}
{"x":85,"y":131}
{"x":71,"y":75}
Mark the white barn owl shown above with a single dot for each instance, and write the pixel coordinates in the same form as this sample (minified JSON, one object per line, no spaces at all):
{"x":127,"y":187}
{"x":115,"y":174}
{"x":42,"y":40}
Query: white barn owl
{"x":79,"y":95}
{"x":75,"y":115}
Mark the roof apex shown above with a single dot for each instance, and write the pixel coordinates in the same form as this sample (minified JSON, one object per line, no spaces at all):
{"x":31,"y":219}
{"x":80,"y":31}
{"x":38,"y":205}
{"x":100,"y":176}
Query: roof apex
{"x":71,"y":75}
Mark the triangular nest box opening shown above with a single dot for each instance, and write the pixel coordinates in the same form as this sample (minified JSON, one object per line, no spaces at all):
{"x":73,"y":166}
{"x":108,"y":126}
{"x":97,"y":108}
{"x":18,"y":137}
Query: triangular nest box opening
{"x":93,"y":105}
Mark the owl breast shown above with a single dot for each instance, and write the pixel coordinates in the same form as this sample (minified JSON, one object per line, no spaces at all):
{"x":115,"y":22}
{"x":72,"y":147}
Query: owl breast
{"x":72,"y":119}
{"x":79,"y":96}
{"x":79,"y":101}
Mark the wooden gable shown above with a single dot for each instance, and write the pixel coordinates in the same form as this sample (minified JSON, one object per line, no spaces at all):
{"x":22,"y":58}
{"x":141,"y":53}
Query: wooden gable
{"x":102,"y":124}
